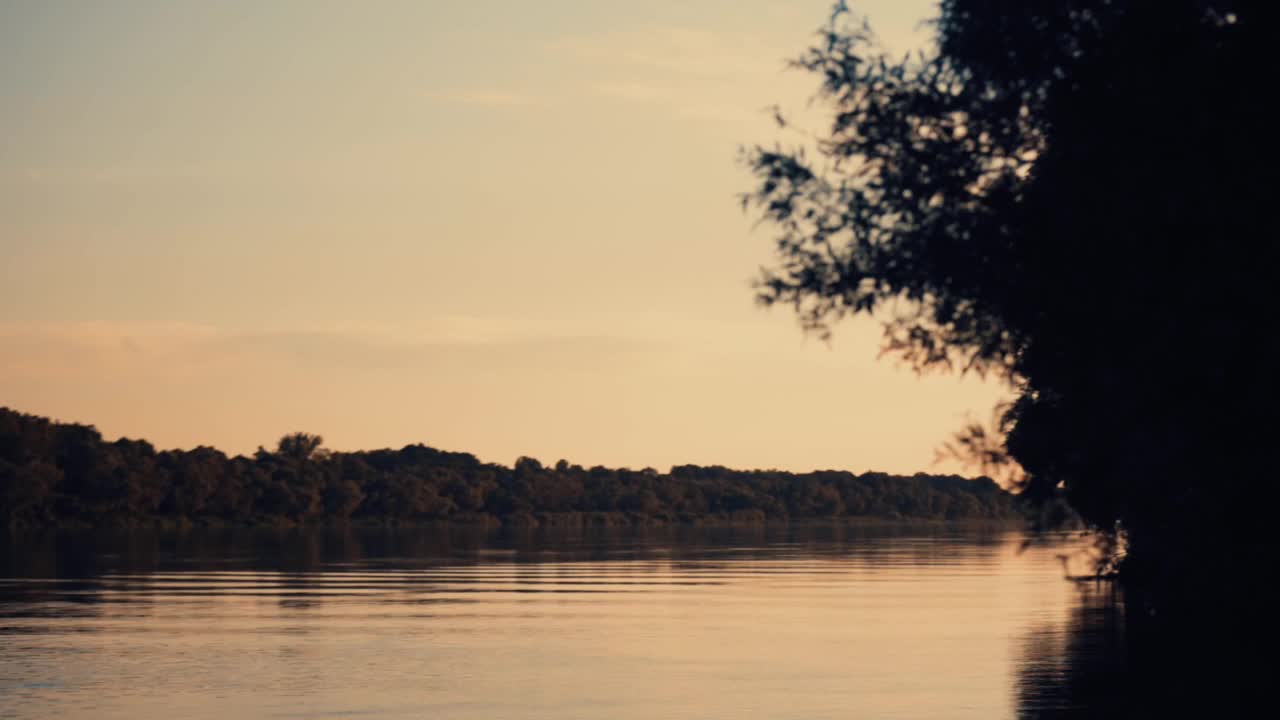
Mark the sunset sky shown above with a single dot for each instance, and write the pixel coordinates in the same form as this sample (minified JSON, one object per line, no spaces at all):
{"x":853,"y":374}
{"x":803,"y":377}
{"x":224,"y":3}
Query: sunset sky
{"x":507,"y":228}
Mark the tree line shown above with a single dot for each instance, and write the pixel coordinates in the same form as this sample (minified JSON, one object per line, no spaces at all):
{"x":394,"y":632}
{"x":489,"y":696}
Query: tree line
{"x":65,"y":474}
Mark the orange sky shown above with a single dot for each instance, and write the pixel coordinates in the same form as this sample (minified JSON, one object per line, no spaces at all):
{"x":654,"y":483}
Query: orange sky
{"x":505,"y":228}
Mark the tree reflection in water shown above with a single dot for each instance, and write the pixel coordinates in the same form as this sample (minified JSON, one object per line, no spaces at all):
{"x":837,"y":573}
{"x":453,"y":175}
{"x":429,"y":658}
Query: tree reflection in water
{"x":1112,"y":660}
{"x":1077,"y":669}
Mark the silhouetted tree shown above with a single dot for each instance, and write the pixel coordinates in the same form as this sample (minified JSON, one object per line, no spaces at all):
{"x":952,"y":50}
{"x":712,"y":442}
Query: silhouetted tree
{"x":1075,"y":196}
{"x":299,"y":445}
{"x":57,"y":474}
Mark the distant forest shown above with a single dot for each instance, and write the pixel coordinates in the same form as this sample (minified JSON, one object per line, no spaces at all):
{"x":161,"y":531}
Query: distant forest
{"x":66,"y":475}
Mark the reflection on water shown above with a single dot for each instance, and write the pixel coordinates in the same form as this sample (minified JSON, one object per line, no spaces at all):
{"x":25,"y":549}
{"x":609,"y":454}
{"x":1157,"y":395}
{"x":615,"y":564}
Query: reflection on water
{"x":1078,"y":668}
{"x":694,"y":623}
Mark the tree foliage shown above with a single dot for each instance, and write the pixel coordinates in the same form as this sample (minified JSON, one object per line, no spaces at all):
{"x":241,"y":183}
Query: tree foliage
{"x":1072,"y":196}
{"x":54,"y":474}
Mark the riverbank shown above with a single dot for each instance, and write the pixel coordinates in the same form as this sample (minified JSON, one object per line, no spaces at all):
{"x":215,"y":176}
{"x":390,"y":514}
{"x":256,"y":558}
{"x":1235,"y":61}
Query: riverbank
{"x":552,"y":521}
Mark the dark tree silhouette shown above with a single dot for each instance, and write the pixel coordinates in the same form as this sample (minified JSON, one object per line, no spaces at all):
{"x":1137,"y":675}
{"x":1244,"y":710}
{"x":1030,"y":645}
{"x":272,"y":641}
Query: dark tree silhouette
{"x":54,"y":474}
{"x":1071,"y":195}
{"x":299,"y":445}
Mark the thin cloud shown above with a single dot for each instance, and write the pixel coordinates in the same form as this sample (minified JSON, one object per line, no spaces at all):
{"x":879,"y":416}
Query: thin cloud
{"x":684,"y":103}
{"x":679,"y":51}
{"x":487,"y":98}
{"x":74,"y":349}
{"x":636,"y":92}
{"x":695,"y":74}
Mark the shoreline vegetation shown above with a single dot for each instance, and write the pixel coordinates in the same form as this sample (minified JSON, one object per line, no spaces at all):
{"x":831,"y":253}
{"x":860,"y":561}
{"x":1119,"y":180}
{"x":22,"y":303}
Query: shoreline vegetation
{"x":65,"y":475}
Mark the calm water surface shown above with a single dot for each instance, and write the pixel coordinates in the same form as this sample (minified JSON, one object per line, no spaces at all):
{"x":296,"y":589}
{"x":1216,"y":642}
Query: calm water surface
{"x":786,"y":623}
